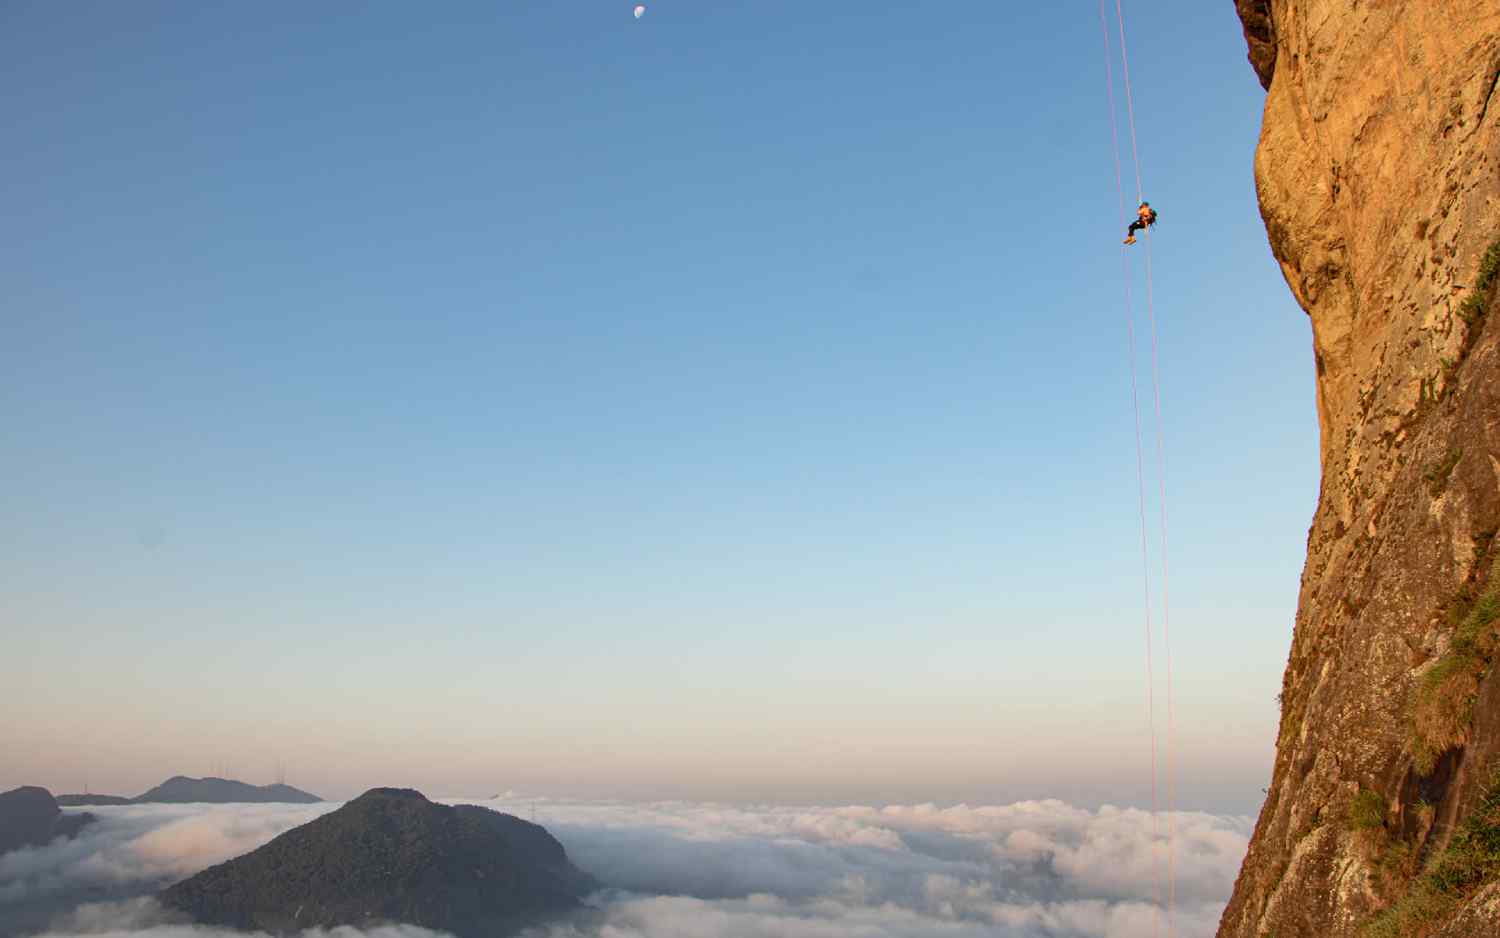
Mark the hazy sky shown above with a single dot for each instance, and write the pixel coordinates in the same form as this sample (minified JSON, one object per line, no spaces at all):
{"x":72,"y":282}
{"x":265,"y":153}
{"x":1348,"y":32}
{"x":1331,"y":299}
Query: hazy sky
{"x":727,"y":404}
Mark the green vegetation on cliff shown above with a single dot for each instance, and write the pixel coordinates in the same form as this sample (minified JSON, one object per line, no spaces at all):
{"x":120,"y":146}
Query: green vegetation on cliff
{"x":1474,"y":307}
{"x":1471,"y":860}
{"x":1443,"y":706}
{"x":1367,"y":811}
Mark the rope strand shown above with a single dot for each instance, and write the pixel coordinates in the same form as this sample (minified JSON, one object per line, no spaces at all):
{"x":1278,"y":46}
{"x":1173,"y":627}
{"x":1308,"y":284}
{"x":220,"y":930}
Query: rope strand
{"x":1135,"y":156}
{"x":1166,"y":601}
{"x":1161,"y":473}
{"x":1139,"y":458}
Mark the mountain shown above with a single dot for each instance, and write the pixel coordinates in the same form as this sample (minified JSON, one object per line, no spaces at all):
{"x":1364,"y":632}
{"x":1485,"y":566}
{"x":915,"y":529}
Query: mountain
{"x":182,"y":790}
{"x":179,"y":789}
{"x":74,"y":800}
{"x":1378,"y":179}
{"x":392,"y":856}
{"x":29,"y":817}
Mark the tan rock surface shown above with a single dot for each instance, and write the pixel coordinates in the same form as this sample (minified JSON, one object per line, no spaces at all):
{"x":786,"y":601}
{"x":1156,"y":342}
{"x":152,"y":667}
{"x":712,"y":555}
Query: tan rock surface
{"x":1477,"y":918}
{"x":1378,"y":173}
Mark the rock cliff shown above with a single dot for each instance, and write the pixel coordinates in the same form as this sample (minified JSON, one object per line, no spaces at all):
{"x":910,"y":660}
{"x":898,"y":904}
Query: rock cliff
{"x":1378,"y":175}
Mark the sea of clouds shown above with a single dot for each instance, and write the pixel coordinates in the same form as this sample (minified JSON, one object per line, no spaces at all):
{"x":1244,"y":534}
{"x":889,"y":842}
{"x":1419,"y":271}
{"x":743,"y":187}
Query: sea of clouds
{"x":1035,"y":869}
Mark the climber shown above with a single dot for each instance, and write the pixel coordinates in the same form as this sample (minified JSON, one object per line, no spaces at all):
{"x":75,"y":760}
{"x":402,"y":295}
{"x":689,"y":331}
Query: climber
{"x":1145,"y":218}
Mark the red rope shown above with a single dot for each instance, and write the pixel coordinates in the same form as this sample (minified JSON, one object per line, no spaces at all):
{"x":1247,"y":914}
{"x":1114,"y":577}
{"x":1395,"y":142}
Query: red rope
{"x":1135,"y":156}
{"x":1161,"y":475}
{"x":1140,"y":482}
{"x":1166,"y":602}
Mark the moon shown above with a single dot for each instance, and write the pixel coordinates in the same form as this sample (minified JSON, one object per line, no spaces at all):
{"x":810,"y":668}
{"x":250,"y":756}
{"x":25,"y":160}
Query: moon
{"x":640,"y":10}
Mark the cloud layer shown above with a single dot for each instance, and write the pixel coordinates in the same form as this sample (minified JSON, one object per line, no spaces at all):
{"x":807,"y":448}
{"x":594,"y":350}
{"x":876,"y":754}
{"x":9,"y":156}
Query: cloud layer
{"x":1038,"y":869}
{"x":141,"y":848}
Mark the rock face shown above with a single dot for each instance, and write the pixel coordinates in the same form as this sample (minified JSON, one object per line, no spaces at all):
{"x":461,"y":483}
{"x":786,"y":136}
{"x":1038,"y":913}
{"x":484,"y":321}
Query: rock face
{"x":29,"y":817}
{"x":180,"y":789}
{"x":392,"y":856}
{"x":1260,"y":36}
{"x":1378,"y":174}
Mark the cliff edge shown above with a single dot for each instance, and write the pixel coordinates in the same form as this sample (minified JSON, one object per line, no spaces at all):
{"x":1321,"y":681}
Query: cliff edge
{"x":1378,"y":175}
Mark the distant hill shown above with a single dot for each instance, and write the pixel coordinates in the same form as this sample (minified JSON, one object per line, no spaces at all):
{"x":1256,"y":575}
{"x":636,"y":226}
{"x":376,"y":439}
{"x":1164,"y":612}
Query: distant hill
{"x":30,"y":817}
{"x":74,"y":800}
{"x":391,"y":855}
{"x":180,"y":789}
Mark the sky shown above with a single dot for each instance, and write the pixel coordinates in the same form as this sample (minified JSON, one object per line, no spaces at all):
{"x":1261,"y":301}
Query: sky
{"x":728,"y":404}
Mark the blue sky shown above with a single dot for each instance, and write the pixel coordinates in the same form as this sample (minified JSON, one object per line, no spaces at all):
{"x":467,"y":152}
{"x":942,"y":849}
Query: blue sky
{"x":731,"y":403}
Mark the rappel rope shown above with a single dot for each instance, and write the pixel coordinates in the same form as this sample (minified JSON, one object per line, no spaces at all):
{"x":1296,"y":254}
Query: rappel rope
{"x":1160,"y":466}
{"x":1166,"y":600}
{"x":1161,"y":481}
{"x":1135,"y":156}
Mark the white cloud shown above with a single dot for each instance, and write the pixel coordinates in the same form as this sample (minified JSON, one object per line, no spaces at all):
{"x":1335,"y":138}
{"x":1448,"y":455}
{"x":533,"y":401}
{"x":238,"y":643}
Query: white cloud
{"x":1039,"y":869}
{"x":145,"y":846}
{"x":143,"y":918}
{"x":763,"y":916}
